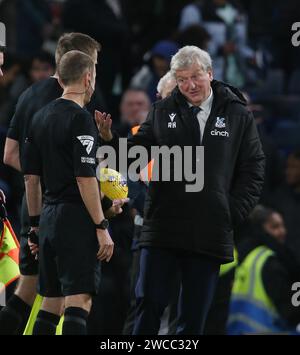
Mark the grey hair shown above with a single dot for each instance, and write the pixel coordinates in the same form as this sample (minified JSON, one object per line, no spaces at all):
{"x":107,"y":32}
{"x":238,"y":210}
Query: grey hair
{"x":165,"y":80}
{"x":189,"y":55}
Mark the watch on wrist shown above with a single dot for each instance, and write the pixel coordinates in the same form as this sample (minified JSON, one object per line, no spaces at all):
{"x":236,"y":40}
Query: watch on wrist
{"x":103,"y":225}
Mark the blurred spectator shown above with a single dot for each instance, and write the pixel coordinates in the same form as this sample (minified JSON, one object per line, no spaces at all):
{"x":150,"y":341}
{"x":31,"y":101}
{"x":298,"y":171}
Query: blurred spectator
{"x":166,"y":85}
{"x":287,"y":200}
{"x":42,"y":67}
{"x":138,"y":192}
{"x":262,"y":290}
{"x":194,"y":35}
{"x":134,"y":107}
{"x":158,"y":64}
{"x":104,"y":21}
{"x":110,"y":309}
{"x":227,"y":25}
{"x":274,"y":163}
{"x":17,"y":79}
{"x":11,"y":69}
{"x":286,"y":56}
{"x":149,"y":22}
{"x":34,"y":25}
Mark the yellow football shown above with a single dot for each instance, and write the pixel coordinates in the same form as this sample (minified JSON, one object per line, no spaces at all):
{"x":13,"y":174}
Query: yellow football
{"x":113,"y":184}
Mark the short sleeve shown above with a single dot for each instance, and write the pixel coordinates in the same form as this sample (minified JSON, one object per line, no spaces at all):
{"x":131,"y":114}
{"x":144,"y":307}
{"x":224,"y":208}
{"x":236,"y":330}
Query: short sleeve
{"x":85,"y":138}
{"x":14,"y":125}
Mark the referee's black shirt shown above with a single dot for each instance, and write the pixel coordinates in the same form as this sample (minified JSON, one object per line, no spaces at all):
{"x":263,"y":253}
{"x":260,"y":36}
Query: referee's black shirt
{"x":61,"y":146}
{"x":32,"y":100}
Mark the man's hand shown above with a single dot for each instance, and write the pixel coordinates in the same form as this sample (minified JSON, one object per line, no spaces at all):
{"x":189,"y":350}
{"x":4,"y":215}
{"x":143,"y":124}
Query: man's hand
{"x":116,"y":208}
{"x":34,"y":248}
{"x":106,"y":245}
{"x":104,"y":121}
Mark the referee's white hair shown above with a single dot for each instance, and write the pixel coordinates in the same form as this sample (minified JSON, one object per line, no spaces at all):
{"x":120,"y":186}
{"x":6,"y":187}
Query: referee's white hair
{"x":164,"y":81}
{"x":189,"y":55}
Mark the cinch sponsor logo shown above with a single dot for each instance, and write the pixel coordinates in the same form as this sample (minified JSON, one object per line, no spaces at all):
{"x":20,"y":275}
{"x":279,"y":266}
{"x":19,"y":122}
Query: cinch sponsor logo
{"x":215,"y":132}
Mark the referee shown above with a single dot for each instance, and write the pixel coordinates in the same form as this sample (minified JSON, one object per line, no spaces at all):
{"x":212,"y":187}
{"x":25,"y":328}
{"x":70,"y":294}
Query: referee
{"x":73,"y":231}
{"x":13,"y":317}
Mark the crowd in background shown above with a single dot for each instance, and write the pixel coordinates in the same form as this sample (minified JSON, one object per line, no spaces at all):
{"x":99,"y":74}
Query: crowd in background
{"x":250,"y":44}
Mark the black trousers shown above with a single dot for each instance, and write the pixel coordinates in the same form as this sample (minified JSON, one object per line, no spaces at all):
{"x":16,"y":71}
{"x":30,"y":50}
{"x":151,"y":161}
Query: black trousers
{"x":198,"y":279}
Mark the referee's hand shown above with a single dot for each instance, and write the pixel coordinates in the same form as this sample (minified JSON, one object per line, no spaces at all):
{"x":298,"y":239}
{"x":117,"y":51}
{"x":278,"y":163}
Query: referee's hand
{"x":106,"y":245}
{"x":104,"y":122}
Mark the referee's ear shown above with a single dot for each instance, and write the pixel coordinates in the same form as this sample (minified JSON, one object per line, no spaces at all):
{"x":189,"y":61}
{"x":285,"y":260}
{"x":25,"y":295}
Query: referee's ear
{"x":60,"y":83}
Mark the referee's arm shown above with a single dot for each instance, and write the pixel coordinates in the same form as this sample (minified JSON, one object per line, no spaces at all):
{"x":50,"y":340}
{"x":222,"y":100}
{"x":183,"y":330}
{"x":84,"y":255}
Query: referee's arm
{"x":33,"y":194}
{"x":11,"y":154}
{"x":32,"y":171}
{"x":89,"y":191}
{"x":84,"y":161}
{"x":14,"y":135}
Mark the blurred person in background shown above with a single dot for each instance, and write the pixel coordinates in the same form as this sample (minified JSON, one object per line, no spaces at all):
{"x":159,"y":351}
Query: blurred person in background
{"x":286,"y":199}
{"x":105,"y":21}
{"x":166,"y":85}
{"x":262,"y":289}
{"x":227,"y":25}
{"x":137,"y":193}
{"x":274,"y":169}
{"x":109,"y":312}
{"x":10,"y":182}
{"x":18,"y":77}
{"x":42,"y":66}
{"x":193,"y":35}
{"x":134,"y":107}
{"x":10,"y":68}
{"x":34,"y":26}
{"x":157,"y":65}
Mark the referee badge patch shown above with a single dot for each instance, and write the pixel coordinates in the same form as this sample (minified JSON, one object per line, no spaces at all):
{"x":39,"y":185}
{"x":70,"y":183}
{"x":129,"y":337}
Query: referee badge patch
{"x":87,"y":141}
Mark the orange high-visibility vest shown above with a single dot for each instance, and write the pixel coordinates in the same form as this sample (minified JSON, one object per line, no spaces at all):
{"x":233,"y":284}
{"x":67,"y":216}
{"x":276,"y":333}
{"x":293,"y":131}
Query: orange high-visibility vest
{"x":9,"y":255}
{"x":146,"y":173}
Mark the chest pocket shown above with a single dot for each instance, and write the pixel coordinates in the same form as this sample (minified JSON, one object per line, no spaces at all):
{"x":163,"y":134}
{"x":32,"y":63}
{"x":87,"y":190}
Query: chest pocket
{"x":172,"y":129}
{"x":217,"y":131}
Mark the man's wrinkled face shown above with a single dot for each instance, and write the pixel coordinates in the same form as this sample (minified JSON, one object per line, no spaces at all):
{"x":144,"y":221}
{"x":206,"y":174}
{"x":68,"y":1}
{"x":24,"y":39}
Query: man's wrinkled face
{"x":1,"y":62}
{"x":194,"y":83}
{"x":135,"y":106}
{"x":293,"y":171}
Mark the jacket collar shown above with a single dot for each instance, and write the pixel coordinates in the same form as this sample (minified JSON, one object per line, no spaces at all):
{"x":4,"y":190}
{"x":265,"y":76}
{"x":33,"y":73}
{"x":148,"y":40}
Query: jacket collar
{"x":207,"y":104}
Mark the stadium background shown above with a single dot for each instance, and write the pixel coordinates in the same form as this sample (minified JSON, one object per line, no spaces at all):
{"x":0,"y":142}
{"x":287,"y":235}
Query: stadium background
{"x":138,"y":39}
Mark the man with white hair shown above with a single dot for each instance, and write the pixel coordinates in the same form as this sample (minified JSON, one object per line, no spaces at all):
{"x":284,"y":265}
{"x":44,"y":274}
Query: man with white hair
{"x":192,"y":232}
{"x":166,"y":85}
